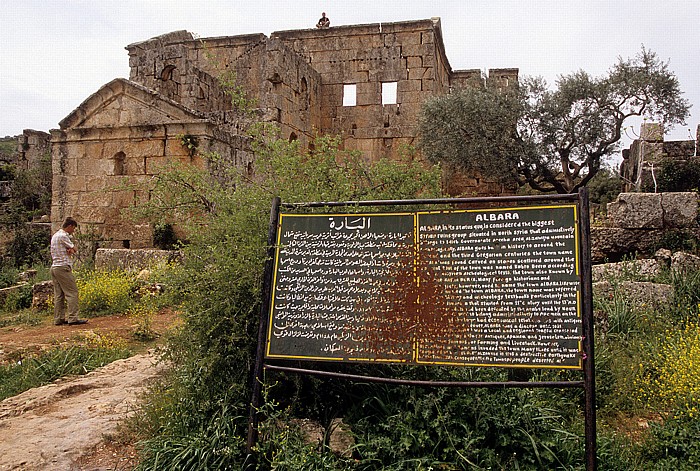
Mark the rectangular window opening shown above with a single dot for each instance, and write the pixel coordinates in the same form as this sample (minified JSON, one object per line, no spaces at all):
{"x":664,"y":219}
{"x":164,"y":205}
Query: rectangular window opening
{"x":389,"y":93}
{"x":349,"y":94}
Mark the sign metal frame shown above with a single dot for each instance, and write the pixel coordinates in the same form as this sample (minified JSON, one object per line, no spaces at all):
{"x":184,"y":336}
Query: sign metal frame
{"x":585,"y":306}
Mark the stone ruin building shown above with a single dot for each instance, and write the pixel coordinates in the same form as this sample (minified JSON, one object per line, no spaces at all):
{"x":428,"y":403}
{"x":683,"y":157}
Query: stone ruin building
{"x":365,"y":83}
{"x":28,"y":151}
{"x":647,"y":155}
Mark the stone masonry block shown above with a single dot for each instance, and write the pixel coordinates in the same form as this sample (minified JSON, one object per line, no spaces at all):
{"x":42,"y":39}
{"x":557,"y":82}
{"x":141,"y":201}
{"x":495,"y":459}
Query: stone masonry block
{"x":637,"y":211}
{"x":680,"y":209}
{"x":90,"y":215}
{"x":76,"y":184}
{"x":134,"y":165}
{"x":96,"y":166}
{"x":96,"y":198}
{"x":94,"y":183}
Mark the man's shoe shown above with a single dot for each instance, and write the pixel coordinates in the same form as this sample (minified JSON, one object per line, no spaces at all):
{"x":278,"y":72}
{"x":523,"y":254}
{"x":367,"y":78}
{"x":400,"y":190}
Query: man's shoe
{"x":78,"y":322}
{"x":60,"y":322}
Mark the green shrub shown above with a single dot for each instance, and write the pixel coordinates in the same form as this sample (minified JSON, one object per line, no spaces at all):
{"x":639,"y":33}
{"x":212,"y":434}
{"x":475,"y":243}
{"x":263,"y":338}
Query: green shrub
{"x":29,"y":246}
{"x":105,"y":292}
{"x":604,"y":187}
{"x":674,"y":445}
{"x":8,"y":276}
{"x":164,"y":236}
{"x":18,"y":299}
{"x":677,"y":175}
{"x":405,"y":428}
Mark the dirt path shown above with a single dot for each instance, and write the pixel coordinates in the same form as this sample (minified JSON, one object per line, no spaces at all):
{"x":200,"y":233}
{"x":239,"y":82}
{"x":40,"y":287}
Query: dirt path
{"x":54,"y":426}
{"x":63,"y":425}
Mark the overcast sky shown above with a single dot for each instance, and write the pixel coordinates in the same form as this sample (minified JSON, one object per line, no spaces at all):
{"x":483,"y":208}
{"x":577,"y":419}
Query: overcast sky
{"x":55,"y":53}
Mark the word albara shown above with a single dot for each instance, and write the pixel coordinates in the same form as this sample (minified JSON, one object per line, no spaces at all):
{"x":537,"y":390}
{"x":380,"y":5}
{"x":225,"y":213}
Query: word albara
{"x":497,"y":216}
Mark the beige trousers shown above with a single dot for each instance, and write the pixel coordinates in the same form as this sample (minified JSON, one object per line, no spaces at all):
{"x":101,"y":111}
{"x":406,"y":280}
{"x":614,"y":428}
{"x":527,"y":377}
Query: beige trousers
{"x":65,"y":291}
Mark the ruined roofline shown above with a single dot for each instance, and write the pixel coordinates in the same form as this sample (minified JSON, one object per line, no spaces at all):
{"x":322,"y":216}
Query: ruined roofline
{"x":433,"y":24}
{"x":167,"y":38}
{"x":108,"y":91}
{"x":185,"y":37}
{"x":371,"y":28}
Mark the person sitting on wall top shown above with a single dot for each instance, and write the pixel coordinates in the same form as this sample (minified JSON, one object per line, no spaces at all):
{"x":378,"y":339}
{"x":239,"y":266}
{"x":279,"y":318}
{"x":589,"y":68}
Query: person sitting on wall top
{"x":324,"y":22}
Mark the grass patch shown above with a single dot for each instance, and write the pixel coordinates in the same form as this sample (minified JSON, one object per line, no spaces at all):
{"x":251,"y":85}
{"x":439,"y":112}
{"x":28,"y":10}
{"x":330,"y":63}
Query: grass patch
{"x":35,"y":370}
{"x":28,"y":317}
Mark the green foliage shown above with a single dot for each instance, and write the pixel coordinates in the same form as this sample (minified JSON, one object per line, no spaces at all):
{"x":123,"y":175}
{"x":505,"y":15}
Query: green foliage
{"x":28,"y":317}
{"x":676,"y":175}
{"x":604,"y":187}
{"x":164,"y":236}
{"x":189,"y":142}
{"x":214,"y":444}
{"x":29,"y":246}
{"x":142,"y":314}
{"x":7,"y":172}
{"x":450,"y":125}
{"x":554,"y":140}
{"x":674,"y":445}
{"x":686,"y":296}
{"x":284,"y":444}
{"x":404,"y":428}
{"x":32,"y":371}
{"x":105,"y":293}
{"x":8,"y":276}
{"x":222,"y":265}
{"x":19,"y":299}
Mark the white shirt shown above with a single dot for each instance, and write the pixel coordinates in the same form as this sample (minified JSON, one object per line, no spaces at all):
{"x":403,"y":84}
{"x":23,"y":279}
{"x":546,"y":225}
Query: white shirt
{"x":60,"y":243}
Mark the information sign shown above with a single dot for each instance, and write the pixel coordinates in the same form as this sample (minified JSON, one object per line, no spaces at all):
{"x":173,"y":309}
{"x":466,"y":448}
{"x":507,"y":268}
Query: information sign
{"x":496,"y":287}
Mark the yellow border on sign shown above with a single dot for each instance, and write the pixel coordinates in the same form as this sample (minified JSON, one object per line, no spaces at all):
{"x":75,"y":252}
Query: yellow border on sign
{"x":415,"y":349}
{"x":278,"y":246}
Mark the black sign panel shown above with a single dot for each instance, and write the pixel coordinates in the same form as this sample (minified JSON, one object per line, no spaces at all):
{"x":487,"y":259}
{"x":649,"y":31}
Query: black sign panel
{"x":476,"y":287}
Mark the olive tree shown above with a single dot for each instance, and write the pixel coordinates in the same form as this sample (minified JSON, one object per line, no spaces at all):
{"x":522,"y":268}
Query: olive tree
{"x":553,"y":140}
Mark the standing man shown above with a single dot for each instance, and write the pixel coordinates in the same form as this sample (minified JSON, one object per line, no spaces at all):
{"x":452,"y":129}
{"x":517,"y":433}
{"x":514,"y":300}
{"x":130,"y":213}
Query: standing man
{"x":64,"y":288}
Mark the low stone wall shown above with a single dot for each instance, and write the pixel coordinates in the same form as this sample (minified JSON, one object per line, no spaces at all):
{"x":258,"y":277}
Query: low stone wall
{"x":637,"y":223}
{"x":133,"y":259}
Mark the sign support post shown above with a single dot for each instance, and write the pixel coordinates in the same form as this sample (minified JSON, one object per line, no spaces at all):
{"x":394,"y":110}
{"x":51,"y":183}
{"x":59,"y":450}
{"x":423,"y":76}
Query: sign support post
{"x":492,"y":286}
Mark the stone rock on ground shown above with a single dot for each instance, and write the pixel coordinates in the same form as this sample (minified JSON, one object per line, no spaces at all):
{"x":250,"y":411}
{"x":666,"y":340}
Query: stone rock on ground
{"x":51,"y":426}
{"x":640,"y":293}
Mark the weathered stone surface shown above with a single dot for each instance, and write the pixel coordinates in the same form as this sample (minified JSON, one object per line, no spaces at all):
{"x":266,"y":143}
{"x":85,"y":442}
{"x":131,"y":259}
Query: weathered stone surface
{"x":638,"y":293}
{"x":637,"y":211}
{"x":680,"y":209}
{"x":612,"y":244}
{"x":683,"y":262}
{"x":42,"y":294}
{"x":637,"y":269}
{"x":663,"y":256}
{"x":132,"y":260}
{"x":341,"y":440}
{"x":27,"y":275}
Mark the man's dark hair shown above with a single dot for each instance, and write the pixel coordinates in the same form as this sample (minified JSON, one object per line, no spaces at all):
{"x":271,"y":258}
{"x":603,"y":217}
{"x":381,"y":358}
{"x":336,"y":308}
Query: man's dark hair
{"x":69,"y":222}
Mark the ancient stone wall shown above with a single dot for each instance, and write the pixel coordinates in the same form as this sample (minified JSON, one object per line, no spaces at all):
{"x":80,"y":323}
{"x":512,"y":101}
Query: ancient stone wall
{"x":28,"y":151}
{"x":122,"y":136}
{"x":638,"y":224}
{"x":129,"y":130}
{"x":285,"y":88}
{"x":646,"y":155}
{"x":362,"y":60}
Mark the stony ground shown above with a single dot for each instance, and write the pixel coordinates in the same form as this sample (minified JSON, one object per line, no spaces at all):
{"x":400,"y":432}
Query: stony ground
{"x":73,"y":424}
